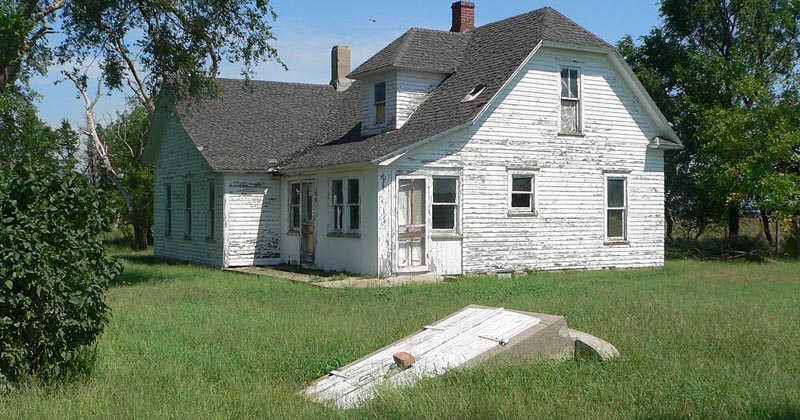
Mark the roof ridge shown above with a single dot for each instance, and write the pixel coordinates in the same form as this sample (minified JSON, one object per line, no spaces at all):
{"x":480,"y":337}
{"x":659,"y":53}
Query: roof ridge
{"x":273,"y":82}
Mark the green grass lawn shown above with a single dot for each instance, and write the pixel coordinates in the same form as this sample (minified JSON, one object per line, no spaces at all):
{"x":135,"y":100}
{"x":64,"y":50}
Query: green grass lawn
{"x":699,"y":340}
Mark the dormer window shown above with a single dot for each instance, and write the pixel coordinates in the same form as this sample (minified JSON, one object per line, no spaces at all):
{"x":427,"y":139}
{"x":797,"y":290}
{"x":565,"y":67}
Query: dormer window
{"x":380,"y":103}
{"x":474,"y":93}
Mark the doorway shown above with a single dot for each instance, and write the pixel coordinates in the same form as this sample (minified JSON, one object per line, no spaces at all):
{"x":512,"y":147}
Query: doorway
{"x":411,"y":224}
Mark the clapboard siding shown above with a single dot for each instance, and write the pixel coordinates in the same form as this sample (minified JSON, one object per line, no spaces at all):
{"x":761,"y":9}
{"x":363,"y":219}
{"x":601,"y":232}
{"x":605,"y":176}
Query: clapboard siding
{"x":369,"y":127}
{"x":252,"y":220}
{"x":178,"y":163}
{"x":357,"y":253}
{"x":521,"y":130}
{"x":412,"y":89}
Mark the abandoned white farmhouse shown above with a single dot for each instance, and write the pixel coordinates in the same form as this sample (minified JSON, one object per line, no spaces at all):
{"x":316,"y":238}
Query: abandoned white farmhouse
{"x":526,"y":143}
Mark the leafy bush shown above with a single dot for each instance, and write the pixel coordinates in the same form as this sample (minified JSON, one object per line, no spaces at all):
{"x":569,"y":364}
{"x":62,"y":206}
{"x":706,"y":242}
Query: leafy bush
{"x":742,"y":247}
{"x":53,"y":269}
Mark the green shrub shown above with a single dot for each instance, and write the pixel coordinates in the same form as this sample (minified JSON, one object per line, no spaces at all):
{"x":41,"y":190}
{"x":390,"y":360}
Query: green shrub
{"x":54,"y":272}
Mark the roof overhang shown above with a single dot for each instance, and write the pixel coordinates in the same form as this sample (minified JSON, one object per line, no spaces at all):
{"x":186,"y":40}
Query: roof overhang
{"x":365,"y":74}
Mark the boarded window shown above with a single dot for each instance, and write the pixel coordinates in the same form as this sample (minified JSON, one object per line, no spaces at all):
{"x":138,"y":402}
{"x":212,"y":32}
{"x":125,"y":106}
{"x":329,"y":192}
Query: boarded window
{"x":380,"y":103}
{"x":522,"y":192}
{"x":445,"y":203}
{"x":294,"y":207}
{"x":616,"y":209}
{"x":570,"y":101}
{"x":211,"y":216}
{"x":168,"y":210}
{"x":187,"y":214}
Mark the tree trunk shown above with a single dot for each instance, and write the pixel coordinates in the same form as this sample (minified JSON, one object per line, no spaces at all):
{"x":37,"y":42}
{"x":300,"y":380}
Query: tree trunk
{"x":141,"y":233}
{"x":765,"y":223}
{"x":670,"y":223}
{"x":733,"y":221}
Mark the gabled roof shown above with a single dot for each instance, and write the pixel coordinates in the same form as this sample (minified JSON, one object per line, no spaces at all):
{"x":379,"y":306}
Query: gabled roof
{"x":419,"y":49}
{"x":303,"y":126}
{"x":492,"y":55}
{"x":251,"y":127}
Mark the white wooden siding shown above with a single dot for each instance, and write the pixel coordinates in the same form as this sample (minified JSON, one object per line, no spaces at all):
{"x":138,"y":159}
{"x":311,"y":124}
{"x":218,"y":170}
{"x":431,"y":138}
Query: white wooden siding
{"x":413,"y":88}
{"x":368,"y":126}
{"x":351,"y":254}
{"x":178,"y":163}
{"x":252,"y":220}
{"x":521,"y":130}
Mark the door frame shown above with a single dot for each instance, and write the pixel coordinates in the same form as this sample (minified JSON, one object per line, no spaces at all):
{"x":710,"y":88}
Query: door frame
{"x":425,"y":267}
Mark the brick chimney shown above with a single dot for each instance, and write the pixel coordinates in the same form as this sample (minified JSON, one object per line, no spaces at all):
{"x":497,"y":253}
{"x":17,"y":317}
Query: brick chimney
{"x":463,"y":16}
{"x":340,"y":68}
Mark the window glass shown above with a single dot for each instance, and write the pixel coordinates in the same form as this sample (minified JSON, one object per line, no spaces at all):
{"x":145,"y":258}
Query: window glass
{"x":522,"y":192}
{"x":352,"y":192}
{"x":616,"y":223}
{"x":444,"y":190}
{"x":353,"y":205}
{"x":616,"y":193}
{"x":337,"y":195}
{"x":380,"y":92}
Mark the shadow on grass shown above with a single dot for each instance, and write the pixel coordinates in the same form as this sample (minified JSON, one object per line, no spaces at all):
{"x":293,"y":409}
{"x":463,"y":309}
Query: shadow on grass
{"x":760,"y":412}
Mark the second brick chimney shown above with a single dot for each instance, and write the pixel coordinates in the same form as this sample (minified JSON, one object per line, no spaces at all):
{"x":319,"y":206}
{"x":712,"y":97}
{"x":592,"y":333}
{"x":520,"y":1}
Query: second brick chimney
{"x":463,"y":16}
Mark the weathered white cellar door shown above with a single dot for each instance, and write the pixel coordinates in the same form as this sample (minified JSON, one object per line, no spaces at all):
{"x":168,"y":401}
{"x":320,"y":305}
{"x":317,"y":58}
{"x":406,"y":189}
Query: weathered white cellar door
{"x":307,"y":204}
{"x":411,"y":224}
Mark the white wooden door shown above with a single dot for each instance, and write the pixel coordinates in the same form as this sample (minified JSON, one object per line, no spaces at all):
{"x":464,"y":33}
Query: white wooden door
{"x":411,"y":224}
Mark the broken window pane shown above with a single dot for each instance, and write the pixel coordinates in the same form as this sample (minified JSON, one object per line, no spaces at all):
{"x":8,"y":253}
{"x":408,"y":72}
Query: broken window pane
{"x":569,"y":116}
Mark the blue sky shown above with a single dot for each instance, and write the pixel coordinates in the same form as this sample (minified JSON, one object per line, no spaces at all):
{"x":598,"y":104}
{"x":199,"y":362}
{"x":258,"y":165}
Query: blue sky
{"x":307,"y":29}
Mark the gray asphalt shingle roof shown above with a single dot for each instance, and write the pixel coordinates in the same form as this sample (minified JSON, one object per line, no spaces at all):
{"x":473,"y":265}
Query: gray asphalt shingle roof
{"x":419,"y":49}
{"x":305,"y":126}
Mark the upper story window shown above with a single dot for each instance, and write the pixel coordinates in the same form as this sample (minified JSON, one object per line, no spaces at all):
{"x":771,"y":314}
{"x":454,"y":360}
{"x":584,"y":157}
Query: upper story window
{"x":380,"y":103}
{"x":570,"y":101}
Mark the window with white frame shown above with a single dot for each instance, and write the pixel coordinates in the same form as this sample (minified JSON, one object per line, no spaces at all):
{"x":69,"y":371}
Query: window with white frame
{"x":353,"y":206}
{"x":294,"y":207}
{"x":445,"y":204}
{"x":187,"y":212}
{"x":211,"y":214}
{"x":616,"y":209}
{"x":345,"y":206}
{"x":522,"y":192}
{"x":570,"y":101}
{"x":380,"y":103}
{"x":168,"y":210}
{"x":337,"y":205}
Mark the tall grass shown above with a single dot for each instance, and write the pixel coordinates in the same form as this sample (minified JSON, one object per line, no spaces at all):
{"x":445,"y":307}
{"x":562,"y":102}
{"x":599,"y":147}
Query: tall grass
{"x":698,"y":340}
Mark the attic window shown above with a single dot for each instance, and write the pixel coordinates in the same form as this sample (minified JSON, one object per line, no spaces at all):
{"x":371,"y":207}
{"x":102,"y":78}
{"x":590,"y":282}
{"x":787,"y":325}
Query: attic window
{"x":477,"y":90}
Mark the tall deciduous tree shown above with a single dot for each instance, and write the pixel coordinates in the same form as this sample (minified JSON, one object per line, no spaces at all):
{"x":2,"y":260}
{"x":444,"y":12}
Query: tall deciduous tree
{"x":138,"y":45}
{"x":732,"y":96}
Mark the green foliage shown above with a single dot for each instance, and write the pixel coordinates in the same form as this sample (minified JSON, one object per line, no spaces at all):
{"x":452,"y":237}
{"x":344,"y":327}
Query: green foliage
{"x":125,"y":139}
{"x":726,"y":74}
{"x":53,"y":268}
